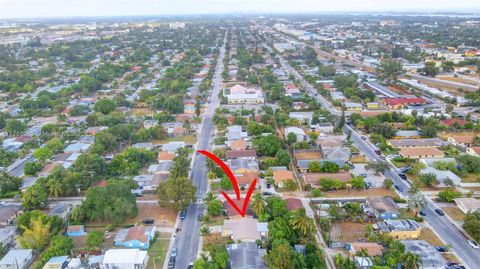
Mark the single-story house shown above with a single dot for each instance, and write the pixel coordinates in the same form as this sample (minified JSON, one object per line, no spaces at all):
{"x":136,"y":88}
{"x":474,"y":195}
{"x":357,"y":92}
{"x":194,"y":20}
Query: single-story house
{"x":461,"y":140}
{"x":373,"y":249}
{"x":56,"y":262}
{"x":382,"y":207}
{"x":17,"y":258}
{"x":430,"y":258}
{"x":407,"y":134}
{"x":243,"y":229}
{"x":402,"y":102}
{"x":125,"y":259}
{"x":442,"y":175}
{"x":336,"y":153}
{"x":246,"y":256}
{"x":162,"y":167}
{"x":172,"y":147}
{"x":474,"y":151}
{"x":323,"y":128}
{"x":241,"y":166}
{"x":144,"y":145}
{"x":331,"y":141}
{"x":136,"y":237}
{"x":352,"y":106}
{"x":238,"y":144}
{"x":244,"y":180}
{"x":241,"y":154}
{"x":8,"y":213}
{"x":75,"y":230}
{"x":468,"y":205}
{"x":164,"y":156}
{"x":416,"y":143}
{"x":60,"y":210}
{"x":230,"y":210}
{"x":280,"y":176}
{"x":418,"y":153}
{"x":363,"y":262}
{"x":298,"y":132}
{"x":7,"y":236}
{"x":401,"y":229}
{"x":302,"y":116}
{"x":77,"y":147}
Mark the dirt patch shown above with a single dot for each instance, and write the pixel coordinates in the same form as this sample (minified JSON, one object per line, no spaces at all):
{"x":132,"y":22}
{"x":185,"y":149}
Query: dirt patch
{"x":359,"y":159}
{"x":449,"y":257}
{"x":214,"y":238}
{"x":142,"y":112}
{"x":359,"y":193}
{"x":454,"y":213}
{"x":313,"y":155}
{"x":347,"y":231}
{"x":164,"y":217}
{"x":458,"y":79}
{"x":428,"y":235}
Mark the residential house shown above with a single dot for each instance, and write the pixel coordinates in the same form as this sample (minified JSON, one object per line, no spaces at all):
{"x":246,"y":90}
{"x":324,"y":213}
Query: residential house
{"x":77,"y":147}
{"x":323,"y":128}
{"x":56,"y":262}
{"x":246,"y":256}
{"x":172,"y":147}
{"x":473,"y":151}
{"x":242,"y":95}
{"x":241,"y":166}
{"x":453,"y":122}
{"x":382,"y":207}
{"x":17,"y":259}
{"x":143,"y":145}
{"x":243,"y":229}
{"x":401,"y":229}
{"x":162,"y":167}
{"x":352,"y":106}
{"x":147,"y":124}
{"x":402,"y":134}
{"x":125,"y":259}
{"x":94,"y":130}
{"x":75,"y":230}
{"x":150,"y":182}
{"x":331,"y":141}
{"x":363,"y":262}
{"x":60,"y":210}
{"x":338,"y":96}
{"x":402,"y":102}
{"x":280,"y":176}
{"x":7,"y":236}
{"x":241,"y":154}
{"x":442,"y":176}
{"x":416,"y":143}
{"x":468,"y":205}
{"x":164,"y":156}
{"x":418,"y":153}
{"x":238,"y":144}
{"x":430,"y":258}
{"x":8,"y":213}
{"x":136,"y":237}
{"x":298,"y":132}
{"x":304,"y":117}
{"x":337,"y":154}
{"x":372,"y":249}
{"x":244,"y":180}
{"x":461,"y":140}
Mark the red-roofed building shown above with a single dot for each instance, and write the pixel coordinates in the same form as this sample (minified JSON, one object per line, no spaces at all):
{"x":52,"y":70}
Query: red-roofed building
{"x":451,"y":122}
{"x":401,"y":102}
{"x":294,"y":204}
{"x":230,"y":210}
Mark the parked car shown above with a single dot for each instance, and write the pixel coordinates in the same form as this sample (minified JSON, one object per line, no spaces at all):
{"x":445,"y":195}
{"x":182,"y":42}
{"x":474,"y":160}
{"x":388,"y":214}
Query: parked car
{"x":402,"y":176}
{"x":398,"y":188}
{"x":183,"y":214}
{"x":441,"y":248}
{"x":422,"y":212}
{"x":439,"y":212}
{"x":173,"y":253}
{"x":190,"y":266}
{"x":171,"y":262}
{"x":473,"y":244}
{"x":200,"y":216}
{"x":148,"y":221}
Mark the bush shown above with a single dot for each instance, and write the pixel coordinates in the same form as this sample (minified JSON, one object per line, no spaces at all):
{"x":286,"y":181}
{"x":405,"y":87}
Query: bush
{"x":316,"y":193}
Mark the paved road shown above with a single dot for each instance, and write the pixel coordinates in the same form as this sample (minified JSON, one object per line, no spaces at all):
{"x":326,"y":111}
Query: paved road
{"x":187,"y":240}
{"x":447,"y":83}
{"x":441,"y":225}
{"x":16,"y":169}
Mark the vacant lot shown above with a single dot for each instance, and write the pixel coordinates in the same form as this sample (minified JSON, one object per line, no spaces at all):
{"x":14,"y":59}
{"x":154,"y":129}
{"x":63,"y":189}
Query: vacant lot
{"x":188,"y":139}
{"x":162,"y":216}
{"x":347,"y":231}
{"x":428,"y":235}
{"x":359,"y":193}
{"x":454,"y":213}
{"x":142,"y":112}
{"x":157,"y":253}
{"x":313,"y":155}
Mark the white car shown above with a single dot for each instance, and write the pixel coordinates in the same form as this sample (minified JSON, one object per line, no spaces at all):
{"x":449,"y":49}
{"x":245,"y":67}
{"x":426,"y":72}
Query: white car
{"x":473,"y":244}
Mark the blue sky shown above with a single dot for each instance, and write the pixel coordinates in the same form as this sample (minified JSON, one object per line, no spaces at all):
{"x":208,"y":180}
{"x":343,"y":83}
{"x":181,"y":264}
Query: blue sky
{"x":66,"y":8}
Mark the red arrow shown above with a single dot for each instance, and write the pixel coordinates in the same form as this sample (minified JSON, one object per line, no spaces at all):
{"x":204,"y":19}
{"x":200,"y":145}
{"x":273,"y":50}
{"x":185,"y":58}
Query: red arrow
{"x":230,"y":175}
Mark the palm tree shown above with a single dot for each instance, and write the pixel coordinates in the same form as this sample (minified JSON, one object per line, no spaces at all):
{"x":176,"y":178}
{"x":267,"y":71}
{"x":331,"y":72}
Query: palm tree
{"x":205,"y":231}
{"x":416,"y":202}
{"x":389,"y":70}
{"x":209,"y":198}
{"x":258,"y":204}
{"x":55,"y":187}
{"x":301,"y":222}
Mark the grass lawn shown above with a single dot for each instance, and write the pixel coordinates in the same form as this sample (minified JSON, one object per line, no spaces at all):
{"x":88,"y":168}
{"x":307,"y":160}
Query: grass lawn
{"x":428,"y":235}
{"x":216,"y":221}
{"x":359,"y":159}
{"x":157,"y":253}
{"x":405,"y":214}
{"x":454,"y":213}
{"x":471,"y":178}
{"x":348,"y":231}
{"x":359,"y":193}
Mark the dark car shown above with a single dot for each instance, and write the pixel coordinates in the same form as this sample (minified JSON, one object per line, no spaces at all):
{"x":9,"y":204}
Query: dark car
{"x":148,"y":221}
{"x":183,"y":215}
{"x":402,"y":176}
{"x":200,"y":217}
{"x":171,"y":262}
{"x":439,"y":212}
{"x":441,"y":249}
{"x":422,"y":212}
{"x":398,"y":188}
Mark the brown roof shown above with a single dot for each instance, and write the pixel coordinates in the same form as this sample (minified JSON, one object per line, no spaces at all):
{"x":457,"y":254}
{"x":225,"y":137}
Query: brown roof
{"x":463,"y":139}
{"x":294,"y":203}
{"x":373,"y":249}
{"x":165,"y":156}
{"x":282,"y":175}
{"x":231,"y":212}
{"x":414,"y":152}
{"x":476,"y":149}
{"x":232,"y":154}
{"x":313,"y":178}
{"x":246,"y":178}
{"x":331,"y":141}
{"x":238,"y":145}
{"x":137,"y":233}
{"x":178,"y":130}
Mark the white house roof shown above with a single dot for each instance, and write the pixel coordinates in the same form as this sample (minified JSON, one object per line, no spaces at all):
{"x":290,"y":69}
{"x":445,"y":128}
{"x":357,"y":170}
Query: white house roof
{"x":128,"y":256}
{"x":15,"y":255}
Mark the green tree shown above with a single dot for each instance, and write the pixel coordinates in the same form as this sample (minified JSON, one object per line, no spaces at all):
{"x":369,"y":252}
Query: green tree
{"x":9,"y":185}
{"x":430,"y":69}
{"x":214,"y":208}
{"x":176,"y":192}
{"x":281,"y":256}
{"x":43,"y":154}
{"x":429,"y":179}
{"x":302,"y":223}
{"x":471,"y":224}
{"x":358,"y":183}
{"x":35,"y":236}
{"x":94,"y":240}
{"x":32,"y":168}
{"x":15,"y":127}
{"x":258,"y":204}
{"x":105,"y":106}
{"x":314,"y":166}
{"x":389,"y":70}
{"x":330,"y":167}
{"x":35,"y":197}
{"x":416,"y":202}
{"x":449,"y":194}
{"x":268,"y":145}
{"x":282,"y":158}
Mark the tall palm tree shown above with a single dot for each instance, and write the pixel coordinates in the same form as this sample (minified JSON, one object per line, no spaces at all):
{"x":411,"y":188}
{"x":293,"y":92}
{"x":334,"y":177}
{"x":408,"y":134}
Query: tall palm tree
{"x":258,"y":204}
{"x":416,"y":202}
{"x":205,"y":231}
{"x":209,"y":198}
{"x":301,"y":222}
{"x":389,"y":70}
{"x":55,"y":187}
